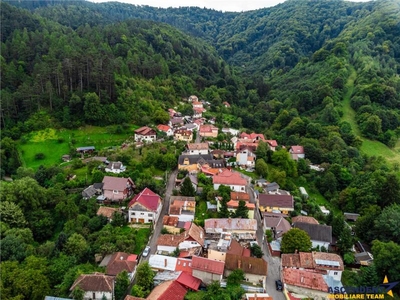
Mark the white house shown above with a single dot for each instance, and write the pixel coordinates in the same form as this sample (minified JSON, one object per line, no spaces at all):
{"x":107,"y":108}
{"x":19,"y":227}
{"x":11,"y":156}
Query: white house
{"x":197,"y":148}
{"x":320,"y":235}
{"x":95,"y":286}
{"x":145,"y":134}
{"x":297,"y":152}
{"x":115,"y":167}
{"x":145,"y":207}
{"x":165,"y":128}
{"x":231,"y":179}
{"x":246,"y":158}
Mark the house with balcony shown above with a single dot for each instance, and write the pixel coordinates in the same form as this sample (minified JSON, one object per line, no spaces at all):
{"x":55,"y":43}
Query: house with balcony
{"x":183,"y":135}
{"x":116,"y":189}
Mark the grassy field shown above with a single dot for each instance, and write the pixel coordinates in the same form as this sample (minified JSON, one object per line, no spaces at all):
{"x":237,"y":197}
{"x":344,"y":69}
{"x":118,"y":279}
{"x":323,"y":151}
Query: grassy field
{"x":54,"y":143}
{"x":369,"y":147}
{"x":142,"y":237}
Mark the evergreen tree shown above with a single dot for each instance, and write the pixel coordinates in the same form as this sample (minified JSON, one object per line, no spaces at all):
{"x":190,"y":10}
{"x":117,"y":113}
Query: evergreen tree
{"x":145,"y":275}
{"x":242,"y":211}
{"x":187,"y":188}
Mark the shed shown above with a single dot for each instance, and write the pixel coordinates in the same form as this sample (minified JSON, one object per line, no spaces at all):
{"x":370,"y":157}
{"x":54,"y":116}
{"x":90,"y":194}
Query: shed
{"x":303,"y":192}
{"x":351,"y":216}
{"x":85,"y":149}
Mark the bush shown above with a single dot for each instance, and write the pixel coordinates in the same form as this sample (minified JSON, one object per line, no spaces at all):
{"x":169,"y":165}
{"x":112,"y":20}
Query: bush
{"x":60,"y":140}
{"x":39,"y":156}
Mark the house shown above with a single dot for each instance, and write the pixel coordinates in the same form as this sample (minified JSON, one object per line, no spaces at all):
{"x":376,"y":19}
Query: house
{"x":197,"y":149}
{"x":182,"y":207}
{"x":276,"y":203}
{"x":166,"y":129}
{"x":207,"y":270}
{"x":162,"y":262}
{"x":193,"y":163}
{"x":297,"y":152}
{"x":197,"y":104}
{"x":89,"y":192}
{"x":108,"y":212}
{"x":320,"y":235}
{"x":184,"y":264}
{"x":145,"y":134}
{"x":176,"y":122}
{"x":168,"y":290}
{"x":118,"y":262}
{"x":304,"y":219}
{"x":208,"y":131}
{"x":272,"y":188}
{"x":198,"y":112}
{"x":246,"y":158}
{"x":364,"y":258}
{"x":188,"y":281}
{"x":272,"y":144}
{"x":303,"y":193}
{"x":217,"y":249}
{"x":307,"y":283}
{"x":278,"y":225}
{"x":193,"y":98}
{"x":95,"y":286}
{"x":183,"y":135}
{"x":171,"y":224}
{"x":115,"y":167}
{"x":117,"y":188}
{"x":232,"y":179}
{"x":330,"y":264}
{"x":171,"y":112}
{"x":145,"y":207}
{"x":88,"y":149}
{"x":237,"y":196}
{"x":232,"y":225}
{"x":255,"y":269}
{"x":254,"y":137}
{"x":233,"y":205}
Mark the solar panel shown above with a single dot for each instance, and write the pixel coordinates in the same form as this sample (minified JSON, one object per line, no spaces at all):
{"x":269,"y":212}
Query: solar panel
{"x":327,"y":262}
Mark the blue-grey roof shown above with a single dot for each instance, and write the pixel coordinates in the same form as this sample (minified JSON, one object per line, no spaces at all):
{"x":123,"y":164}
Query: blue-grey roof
{"x":85,"y":148}
{"x":55,"y":298}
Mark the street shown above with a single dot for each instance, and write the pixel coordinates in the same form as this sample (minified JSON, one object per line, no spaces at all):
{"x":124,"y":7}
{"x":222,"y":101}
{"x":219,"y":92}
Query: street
{"x":273,"y":262}
{"x":158,"y":226}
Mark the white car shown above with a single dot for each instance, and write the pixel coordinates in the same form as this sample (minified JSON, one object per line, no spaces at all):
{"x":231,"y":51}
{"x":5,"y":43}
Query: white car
{"x":146,"y":251}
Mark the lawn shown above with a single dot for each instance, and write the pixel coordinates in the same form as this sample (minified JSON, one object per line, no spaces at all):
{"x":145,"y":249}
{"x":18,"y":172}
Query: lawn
{"x":54,"y":143}
{"x":141,"y":239}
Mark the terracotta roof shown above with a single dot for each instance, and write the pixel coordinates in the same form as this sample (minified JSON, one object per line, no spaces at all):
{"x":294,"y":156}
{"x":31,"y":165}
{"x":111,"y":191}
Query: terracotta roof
{"x":272,"y":143}
{"x":208,"y":265}
{"x":119,"y":262}
{"x":189,"y":281}
{"x":97,"y":282}
{"x":230,"y":224}
{"x":197,"y":146}
{"x":107,"y":211}
{"x":317,"y":232}
{"x":183,"y":132}
{"x":313,"y":260}
{"x":195,"y":102}
{"x":172,"y":240}
{"x":116,"y":183}
{"x":147,"y":198}
{"x":207,"y":128}
{"x":170,"y":221}
{"x":305,"y":279}
{"x":258,"y":296}
{"x":129,"y":297}
{"x":235,"y":204}
{"x":249,"y":265}
{"x":198,"y":109}
{"x":272,"y":200}
{"x":229,"y":178}
{"x":168,"y":290}
{"x":164,"y":128}
{"x":197,"y":233}
{"x":145,"y":130}
{"x":304,"y":219}
{"x":237,"y":249}
{"x":252,"y":136}
{"x":297,"y":149}
{"x":184,"y":264}
{"x":240,"y":196}
{"x":176,"y":121}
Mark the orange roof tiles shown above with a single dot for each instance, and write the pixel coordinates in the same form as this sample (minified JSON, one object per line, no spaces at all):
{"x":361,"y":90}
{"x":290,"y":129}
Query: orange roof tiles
{"x":168,"y":290}
{"x":229,"y":178}
{"x":164,"y":128}
{"x":240,"y":196}
{"x":235,"y":204}
{"x":305,"y":279}
{"x":184,"y":264}
{"x":304,"y":219}
{"x":208,"y":265}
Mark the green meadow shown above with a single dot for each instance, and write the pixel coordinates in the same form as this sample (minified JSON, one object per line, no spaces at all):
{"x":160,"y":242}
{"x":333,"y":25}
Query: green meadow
{"x":54,"y":143}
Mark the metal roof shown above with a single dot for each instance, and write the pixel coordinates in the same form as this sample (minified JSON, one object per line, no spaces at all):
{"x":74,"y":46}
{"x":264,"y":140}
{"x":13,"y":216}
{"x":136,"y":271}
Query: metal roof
{"x":327,"y":262}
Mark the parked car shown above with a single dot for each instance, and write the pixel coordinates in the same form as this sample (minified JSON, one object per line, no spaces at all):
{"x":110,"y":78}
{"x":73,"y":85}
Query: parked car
{"x":146,"y":251}
{"x":279,"y":285}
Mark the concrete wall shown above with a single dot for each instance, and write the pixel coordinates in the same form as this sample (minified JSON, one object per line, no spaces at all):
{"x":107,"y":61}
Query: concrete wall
{"x":207,"y":278}
{"x":312,"y":294}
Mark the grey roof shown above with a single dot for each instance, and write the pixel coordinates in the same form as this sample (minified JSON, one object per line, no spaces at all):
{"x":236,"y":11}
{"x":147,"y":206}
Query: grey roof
{"x":317,"y":232}
{"x":193,"y":159}
{"x":363,"y":256}
{"x":89,"y":192}
{"x":273,"y":186}
{"x":98,"y":185}
{"x":351,"y":216}
{"x":85,"y":148}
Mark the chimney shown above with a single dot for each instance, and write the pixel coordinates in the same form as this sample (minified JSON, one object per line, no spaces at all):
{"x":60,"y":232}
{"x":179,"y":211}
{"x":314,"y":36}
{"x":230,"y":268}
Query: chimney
{"x":165,"y":262}
{"x":239,"y":264}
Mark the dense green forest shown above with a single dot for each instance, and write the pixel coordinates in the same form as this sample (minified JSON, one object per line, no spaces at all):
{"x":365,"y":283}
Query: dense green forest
{"x":322,"y":74}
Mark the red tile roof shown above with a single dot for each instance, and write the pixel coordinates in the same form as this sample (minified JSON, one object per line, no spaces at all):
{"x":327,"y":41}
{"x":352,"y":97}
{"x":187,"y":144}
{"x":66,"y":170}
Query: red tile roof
{"x":304,"y":219}
{"x":252,"y":136}
{"x":96,"y":282}
{"x":189,"y":281}
{"x":297,"y":149}
{"x":313,"y":260}
{"x":147,"y":198}
{"x":145,"y":130}
{"x":197,"y":146}
{"x":237,"y":249}
{"x":235,"y":204}
{"x":119,"y":262}
{"x":196,"y":233}
{"x":170,"y":221}
{"x":229,"y":224}
{"x":249,"y":265}
{"x":168,"y":290}
{"x":184,"y":264}
{"x":207,"y":128}
{"x":272,"y":143}
{"x":229,"y":178}
{"x":129,"y":297}
{"x":240,"y":196}
{"x":305,"y":279}
{"x":164,"y":128}
{"x":172,"y":240}
{"x":208,"y":265}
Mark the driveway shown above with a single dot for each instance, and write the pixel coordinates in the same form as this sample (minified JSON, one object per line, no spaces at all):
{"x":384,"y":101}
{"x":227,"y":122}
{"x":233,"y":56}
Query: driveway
{"x":157,"y":229}
{"x":273,"y":262}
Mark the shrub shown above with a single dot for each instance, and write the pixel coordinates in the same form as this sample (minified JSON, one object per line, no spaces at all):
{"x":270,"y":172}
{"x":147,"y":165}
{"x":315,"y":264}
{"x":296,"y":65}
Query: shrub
{"x":39,"y":156}
{"x":60,"y":140}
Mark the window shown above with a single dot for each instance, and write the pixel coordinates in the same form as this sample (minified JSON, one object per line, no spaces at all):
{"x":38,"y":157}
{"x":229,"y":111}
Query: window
{"x":334,"y":273}
{"x":142,"y":214}
{"x":132,"y":214}
{"x":150,"y":215}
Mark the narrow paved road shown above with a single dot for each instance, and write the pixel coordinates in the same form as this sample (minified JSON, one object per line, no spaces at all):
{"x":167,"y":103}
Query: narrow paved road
{"x":157,"y":229}
{"x":273,"y":262}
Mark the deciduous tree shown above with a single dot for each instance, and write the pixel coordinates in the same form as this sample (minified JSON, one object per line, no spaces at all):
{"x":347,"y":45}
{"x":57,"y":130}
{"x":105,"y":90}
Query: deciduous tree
{"x":295,"y":240}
